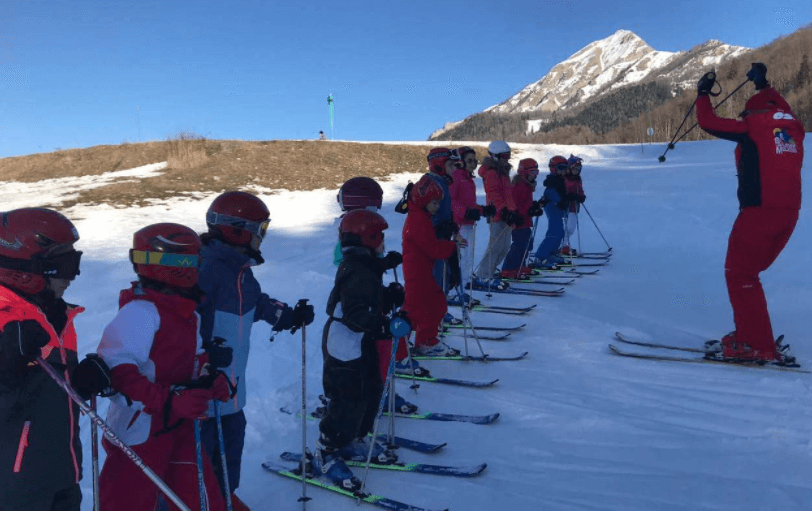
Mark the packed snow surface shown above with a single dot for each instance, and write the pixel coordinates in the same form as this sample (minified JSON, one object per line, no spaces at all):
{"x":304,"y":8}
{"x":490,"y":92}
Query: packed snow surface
{"x":580,"y":428}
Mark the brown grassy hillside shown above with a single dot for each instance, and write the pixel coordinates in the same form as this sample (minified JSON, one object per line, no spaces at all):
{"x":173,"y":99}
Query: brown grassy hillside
{"x":201,"y":165}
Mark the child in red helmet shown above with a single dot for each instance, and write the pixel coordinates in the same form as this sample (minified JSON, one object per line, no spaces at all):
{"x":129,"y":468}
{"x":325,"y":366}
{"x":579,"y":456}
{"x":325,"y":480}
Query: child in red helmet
{"x":152,"y":348}
{"x":425,"y":299}
{"x":575,"y":197}
{"x":357,"y":309}
{"x":40,"y":451}
{"x":524,"y":184}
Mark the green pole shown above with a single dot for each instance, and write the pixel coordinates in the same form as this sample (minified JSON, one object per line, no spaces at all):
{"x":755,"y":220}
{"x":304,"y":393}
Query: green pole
{"x":330,"y":103}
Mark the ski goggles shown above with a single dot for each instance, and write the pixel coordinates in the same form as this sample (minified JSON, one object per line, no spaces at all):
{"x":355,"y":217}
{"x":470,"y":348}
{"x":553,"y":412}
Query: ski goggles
{"x":575,"y":167}
{"x":258,"y":228}
{"x":150,"y":257}
{"x":562,"y":167}
{"x":502,"y":156}
{"x":62,"y":266}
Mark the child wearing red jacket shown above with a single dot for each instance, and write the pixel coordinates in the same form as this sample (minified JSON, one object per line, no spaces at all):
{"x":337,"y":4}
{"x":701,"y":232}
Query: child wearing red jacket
{"x":524,"y":184}
{"x":575,"y":197}
{"x":152,"y":347}
{"x":425,"y":300}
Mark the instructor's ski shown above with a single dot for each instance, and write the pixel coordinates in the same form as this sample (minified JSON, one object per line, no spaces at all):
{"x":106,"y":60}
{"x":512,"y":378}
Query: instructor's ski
{"x":448,"y":381}
{"x":486,"y":328}
{"x":463,"y":358}
{"x":702,"y":360}
{"x":450,"y":417}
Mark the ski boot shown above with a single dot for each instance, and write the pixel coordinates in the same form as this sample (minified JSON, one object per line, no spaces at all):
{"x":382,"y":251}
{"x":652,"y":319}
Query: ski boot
{"x":440,"y":349}
{"x":328,"y":463}
{"x":358,"y":450}
{"x":403,"y":367}
{"x":488,"y":285}
{"x":733,"y":350}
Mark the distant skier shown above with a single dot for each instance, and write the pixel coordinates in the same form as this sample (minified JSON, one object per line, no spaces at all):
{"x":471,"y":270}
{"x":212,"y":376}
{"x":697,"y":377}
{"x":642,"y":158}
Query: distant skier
{"x":350,"y":377}
{"x":575,"y":197}
{"x":152,"y":347}
{"x":769,"y":157}
{"x":555,"y":205}
{"x":422,"y":248}
{"x":40,"y":451}
{"x":495,"y":172}
{"x":237,"y":223}
{"x":322,"y":136}
{"x":524,"y":184}
{"x":466,"y":212}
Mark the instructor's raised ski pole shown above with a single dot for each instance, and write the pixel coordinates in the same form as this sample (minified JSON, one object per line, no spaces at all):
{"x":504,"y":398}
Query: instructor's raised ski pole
{"x":111,"y":437}
{"x":304,"y":498}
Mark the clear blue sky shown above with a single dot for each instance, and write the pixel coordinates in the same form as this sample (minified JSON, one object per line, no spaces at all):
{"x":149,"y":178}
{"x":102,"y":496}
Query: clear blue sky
{"x":76,"y":73}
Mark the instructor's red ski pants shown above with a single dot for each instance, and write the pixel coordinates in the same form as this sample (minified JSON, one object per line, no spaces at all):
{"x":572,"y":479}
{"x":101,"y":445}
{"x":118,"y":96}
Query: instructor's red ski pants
{"x":758,"y":236}
{"x":124,"y":487}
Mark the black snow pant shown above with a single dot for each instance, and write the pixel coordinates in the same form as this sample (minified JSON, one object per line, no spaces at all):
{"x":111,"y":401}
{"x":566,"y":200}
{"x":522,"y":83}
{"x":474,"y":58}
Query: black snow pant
{"x":354,"y":389}
{"x":68,"y":499}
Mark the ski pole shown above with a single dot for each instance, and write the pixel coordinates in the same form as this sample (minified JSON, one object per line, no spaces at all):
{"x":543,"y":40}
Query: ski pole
{"x":94,"y":439}
{"x":467,"y":318}
{"x":221,"y":441}
{"x":304,"y":498}
{"x":529,"y":243}
{"x":596,"y":226}
{"x":661,"y":159}
{"x":201,"y":486}
{"x":396,"y":326}
{"x":578,"y":228}
{"x":110,"y":435}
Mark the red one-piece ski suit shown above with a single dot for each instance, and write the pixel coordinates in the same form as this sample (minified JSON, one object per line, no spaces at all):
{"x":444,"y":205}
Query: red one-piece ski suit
{"x":425,"y":300}
{"x":151,"y":345}
{"x":769,"y":156}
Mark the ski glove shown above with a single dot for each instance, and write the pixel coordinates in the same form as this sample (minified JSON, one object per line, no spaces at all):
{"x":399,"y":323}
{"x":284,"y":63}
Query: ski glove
{"x":303,"y":314}
{"x":392,"y":260}
{"x":221,"y":389}
{"x":489,"y":211}
{"x":535,"y":209}
{"x":92,"y":377}
{"x":23,"y":340}
{"x":582,"y":199}
{"x":393,"y":296}
{"x":445,"y":229}
{"x":473,"y":214}
{"x":706,"y":83}
{"x":220,"y":355}
{"x":758,"y":73}
{"x":189,"y":403}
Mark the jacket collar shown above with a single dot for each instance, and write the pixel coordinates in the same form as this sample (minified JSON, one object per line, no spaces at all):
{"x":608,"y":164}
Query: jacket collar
{"x":216,"y":249}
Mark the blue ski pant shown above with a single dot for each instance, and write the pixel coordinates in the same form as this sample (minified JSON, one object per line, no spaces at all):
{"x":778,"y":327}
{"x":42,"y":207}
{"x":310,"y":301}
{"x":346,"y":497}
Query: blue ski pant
{"x":555,"y":232}
{"x":518,"y":249}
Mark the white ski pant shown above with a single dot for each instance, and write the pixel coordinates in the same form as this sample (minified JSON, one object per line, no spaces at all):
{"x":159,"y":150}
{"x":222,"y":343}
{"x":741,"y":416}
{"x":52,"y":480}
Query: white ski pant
{"x":466,"y":254}
{"x":498,"y":247}
{"x":570,"y":224}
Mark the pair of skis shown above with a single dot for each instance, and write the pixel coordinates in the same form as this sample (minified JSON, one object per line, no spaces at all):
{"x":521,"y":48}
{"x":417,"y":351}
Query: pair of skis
{"x":694,"y":360}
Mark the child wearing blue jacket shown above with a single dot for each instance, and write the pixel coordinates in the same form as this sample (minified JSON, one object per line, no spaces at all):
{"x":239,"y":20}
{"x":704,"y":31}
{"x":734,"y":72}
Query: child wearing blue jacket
{"x":554,"y":198}
{"x":237,"y":223}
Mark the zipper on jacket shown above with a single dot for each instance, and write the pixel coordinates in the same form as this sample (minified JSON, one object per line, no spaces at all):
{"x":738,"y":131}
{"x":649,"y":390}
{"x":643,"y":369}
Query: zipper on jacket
{"x":18,"y":461}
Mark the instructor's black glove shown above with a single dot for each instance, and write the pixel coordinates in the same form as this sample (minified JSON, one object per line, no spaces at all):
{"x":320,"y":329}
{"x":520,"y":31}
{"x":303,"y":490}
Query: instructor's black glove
{"x":23,"y":340}
{"x":445,"y":230}
{"x":706,"y":83}
{"x":220,"y":355}
{"x":489,"y":211}
{"x":758,"y":73}
{"x":392,"y":260}
{"x":92,"y":377}
{"x":393,"y":296}
{"x":473,"y":214}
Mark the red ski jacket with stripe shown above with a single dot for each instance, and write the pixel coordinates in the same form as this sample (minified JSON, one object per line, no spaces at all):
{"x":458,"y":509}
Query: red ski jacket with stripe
{"x":769,"y":154}
{"x":40,"y":451}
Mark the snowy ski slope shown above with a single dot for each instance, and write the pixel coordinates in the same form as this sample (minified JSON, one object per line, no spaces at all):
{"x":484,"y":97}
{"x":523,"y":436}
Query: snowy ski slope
{"x":580,"y":429}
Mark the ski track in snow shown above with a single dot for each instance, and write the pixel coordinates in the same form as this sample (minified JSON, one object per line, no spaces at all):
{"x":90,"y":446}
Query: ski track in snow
{"x":580,"y":429}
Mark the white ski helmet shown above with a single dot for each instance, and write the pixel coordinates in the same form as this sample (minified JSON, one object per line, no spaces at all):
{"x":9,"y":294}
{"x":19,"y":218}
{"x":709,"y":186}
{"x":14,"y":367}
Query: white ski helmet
{"x":498,"y":147}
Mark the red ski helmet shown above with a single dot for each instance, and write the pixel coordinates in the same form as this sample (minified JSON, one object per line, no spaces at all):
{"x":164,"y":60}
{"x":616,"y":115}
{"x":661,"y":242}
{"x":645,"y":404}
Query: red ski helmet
{"x":766,"y":99}
{"x":437,"y":158}
{"x":360,"y":193}
{"x":36,"y":243}
{"x":558,"y":164}
{"x":236,"y":216}
{"x":528,"y":169}
{"x":425,"y":191}
{"x":362,"y":226}
{"x":167,"y":253}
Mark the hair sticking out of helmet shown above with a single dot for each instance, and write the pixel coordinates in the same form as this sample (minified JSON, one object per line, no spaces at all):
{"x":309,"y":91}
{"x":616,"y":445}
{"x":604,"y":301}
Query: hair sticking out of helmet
{"x":437,"y":158}
{"x":362,"y":227}
{"x":558,"y":165}
{"x":425,"y":191}
{"x":528,"y":169}
{"x":167,"y":253}
{"x":360,"y":193}
{"x":574,"y":163}
{"x":235,"y":217}
{"x":36,"y":244}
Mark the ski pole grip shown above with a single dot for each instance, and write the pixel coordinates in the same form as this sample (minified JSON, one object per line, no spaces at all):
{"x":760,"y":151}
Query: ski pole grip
{"x":302,"y":303}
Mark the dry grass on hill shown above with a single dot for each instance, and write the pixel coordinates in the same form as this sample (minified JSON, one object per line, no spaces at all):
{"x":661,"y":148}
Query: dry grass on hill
{"x":201,"y":165}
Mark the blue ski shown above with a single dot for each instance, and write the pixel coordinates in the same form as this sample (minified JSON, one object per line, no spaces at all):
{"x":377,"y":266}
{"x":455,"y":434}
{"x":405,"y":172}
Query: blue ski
{"x":422,"y":468}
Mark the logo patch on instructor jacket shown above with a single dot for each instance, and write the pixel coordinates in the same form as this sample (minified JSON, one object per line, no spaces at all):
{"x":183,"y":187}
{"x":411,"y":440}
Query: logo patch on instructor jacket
{"x":784,"y":142}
